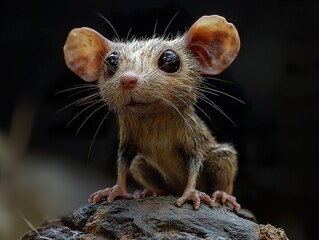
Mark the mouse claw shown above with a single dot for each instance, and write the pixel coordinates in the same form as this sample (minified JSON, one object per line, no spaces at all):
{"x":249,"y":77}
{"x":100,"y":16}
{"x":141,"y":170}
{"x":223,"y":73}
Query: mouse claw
{"x":223,"y":197}
{"x":197,"y":197}
{"x":140,"y":194}
{"x":110,"y":194}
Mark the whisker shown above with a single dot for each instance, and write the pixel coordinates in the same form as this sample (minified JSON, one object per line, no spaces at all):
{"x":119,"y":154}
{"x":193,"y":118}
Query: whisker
{"x":69,"y":105}
{"x":133,"y":38}
{"x":170,"y":23}
{"x":202,"y":110}
{"x":214,"y":105}
{"x":207,"y":85}
{"x":93,"y":95}
{"x":215,"y":91}
{"x":79,"y":102}
{"x":169,"y":103}
{"x":216,"y":79}
{"x":128,"y":34}
{"x":102,"y":58}
{"x":198,"y":107}
{"x":206,"y":90}
{"x":96,"y":132}
{"x":80,"y":86}
{"x":79,"y":92}
{"x":226,"y":94}
{"x":89,"y":101}
{"x":154,"y":32}
{"x":117,"y":36}
{"x":96,"y":102}
{"x":189,"y":105}
{"x":88,"y":119}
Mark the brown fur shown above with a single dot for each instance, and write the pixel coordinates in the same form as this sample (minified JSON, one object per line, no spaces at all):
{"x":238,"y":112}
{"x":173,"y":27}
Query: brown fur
{"x":160,"y":133}
{"x":163,"y":143}
{"x":159,"y":138}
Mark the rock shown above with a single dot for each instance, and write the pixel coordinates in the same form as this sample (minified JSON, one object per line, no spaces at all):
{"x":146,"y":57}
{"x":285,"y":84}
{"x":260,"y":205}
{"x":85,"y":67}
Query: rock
{"x":154,"y":218}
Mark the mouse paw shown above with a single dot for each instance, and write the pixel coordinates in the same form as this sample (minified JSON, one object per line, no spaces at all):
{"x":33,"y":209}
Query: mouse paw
{"x":110,"y":194}
{"x":195,"y":196}
{"x":226,"y":198}
{"x":140,"y":194}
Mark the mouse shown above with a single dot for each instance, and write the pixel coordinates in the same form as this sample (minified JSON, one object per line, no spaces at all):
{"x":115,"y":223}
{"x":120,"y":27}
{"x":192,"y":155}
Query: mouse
{"x":152,"y":85}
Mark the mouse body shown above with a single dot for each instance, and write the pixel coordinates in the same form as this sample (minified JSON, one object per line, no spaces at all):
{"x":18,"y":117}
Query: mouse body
{"x":153,"y":85}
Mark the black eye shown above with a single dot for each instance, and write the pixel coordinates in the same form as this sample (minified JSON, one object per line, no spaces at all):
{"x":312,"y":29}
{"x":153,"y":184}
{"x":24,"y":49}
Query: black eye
{"x":169,"y":62}
{"x":111,"y":63}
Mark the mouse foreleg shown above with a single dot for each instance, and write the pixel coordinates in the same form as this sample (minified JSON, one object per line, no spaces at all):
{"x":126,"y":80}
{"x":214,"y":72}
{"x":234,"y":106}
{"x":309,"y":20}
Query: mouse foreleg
{"x":126,"y":155}
{"x":190,"y":192}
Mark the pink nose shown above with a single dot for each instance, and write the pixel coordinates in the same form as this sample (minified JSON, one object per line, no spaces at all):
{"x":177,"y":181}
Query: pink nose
{"x":128,"y":80}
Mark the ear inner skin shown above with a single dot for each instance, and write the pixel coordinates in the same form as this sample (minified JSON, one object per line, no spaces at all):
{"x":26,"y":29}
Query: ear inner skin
{"x":84,"y":52}
{"x":214,"y":42}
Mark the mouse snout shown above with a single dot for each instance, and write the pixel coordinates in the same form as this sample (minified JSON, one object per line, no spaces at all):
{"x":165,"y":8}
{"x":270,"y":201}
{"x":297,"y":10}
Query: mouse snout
{"x":128,"y":80}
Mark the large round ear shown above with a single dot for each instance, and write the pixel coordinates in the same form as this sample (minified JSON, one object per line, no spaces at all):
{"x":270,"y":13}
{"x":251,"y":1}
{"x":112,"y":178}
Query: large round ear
{"x":214,"y":42}
{"x":84,"y":52}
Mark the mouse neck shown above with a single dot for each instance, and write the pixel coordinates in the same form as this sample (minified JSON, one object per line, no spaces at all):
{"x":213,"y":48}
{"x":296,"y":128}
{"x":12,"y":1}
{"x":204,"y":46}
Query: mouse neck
{"x":132,"y":126}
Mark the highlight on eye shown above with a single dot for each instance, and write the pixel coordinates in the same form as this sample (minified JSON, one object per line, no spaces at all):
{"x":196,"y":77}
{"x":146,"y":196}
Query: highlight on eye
{"x":169,"y":62}
{"x":111,"y":64}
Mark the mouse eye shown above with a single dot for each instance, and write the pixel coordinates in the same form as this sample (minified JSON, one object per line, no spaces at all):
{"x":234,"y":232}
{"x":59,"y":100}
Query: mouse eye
{"x":111,"y":64}
{"x":169,"y":62}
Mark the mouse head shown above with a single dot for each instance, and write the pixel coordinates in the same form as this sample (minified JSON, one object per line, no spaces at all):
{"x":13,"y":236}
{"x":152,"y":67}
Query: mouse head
{"x":140,"y":72}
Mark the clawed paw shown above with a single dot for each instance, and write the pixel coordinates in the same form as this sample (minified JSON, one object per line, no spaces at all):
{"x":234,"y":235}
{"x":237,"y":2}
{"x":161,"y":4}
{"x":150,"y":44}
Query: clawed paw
{"x":110,"y":194}
{"x":226,"y":198}
{"x":197,"y":197}
{"x":140,"y":194}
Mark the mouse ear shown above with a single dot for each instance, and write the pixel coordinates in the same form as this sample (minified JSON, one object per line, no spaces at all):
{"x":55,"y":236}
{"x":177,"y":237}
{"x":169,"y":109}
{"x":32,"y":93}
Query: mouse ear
{"x":84,"y":52}
{"x":214,"y":42}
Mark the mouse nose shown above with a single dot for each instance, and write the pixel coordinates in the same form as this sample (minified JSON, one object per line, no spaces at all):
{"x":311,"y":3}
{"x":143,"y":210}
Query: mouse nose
{"x":128,"y":80}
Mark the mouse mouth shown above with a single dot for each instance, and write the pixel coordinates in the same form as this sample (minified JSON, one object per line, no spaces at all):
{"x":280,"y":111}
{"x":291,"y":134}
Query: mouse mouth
{"x":138,"y":104}
{"x":141,"y":106}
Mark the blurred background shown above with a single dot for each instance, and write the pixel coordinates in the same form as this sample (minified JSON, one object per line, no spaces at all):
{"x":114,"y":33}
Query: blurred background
{"x":47,"y":170}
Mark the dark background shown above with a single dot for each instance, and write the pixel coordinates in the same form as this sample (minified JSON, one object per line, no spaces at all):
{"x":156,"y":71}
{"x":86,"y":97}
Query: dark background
{"x":45,"y":169}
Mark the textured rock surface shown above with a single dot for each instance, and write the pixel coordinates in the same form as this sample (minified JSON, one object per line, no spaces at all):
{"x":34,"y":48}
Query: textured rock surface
{"x":153,"y":218}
